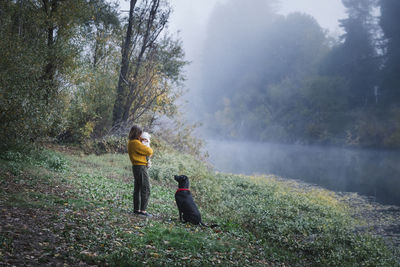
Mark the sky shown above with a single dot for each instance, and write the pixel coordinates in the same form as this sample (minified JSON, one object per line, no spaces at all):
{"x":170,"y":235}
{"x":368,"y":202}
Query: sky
{"x":190,"y":17}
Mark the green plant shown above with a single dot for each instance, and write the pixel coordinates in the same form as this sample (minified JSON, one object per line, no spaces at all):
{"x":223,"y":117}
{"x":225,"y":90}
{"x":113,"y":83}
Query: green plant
{"x":262,"y":219}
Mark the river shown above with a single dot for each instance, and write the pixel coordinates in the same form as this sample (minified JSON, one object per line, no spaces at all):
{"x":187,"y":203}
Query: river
{"x":371,"y":173}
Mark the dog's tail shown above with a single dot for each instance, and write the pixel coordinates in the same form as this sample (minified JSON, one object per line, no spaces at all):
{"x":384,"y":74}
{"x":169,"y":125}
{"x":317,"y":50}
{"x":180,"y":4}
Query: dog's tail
{"x":211,"y":226}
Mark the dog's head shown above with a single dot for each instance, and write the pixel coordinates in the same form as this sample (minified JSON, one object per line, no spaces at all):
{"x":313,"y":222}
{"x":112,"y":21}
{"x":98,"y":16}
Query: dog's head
{"x":183,"y":181}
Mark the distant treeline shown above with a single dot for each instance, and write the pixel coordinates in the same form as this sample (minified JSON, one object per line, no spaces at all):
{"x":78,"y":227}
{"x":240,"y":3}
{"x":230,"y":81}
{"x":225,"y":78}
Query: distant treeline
{"x":269,"y":77}
{"x":77,"y":69}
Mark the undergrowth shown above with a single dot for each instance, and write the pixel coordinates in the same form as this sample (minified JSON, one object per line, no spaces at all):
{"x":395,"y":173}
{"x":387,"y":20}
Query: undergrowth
{"x":262,"y":219}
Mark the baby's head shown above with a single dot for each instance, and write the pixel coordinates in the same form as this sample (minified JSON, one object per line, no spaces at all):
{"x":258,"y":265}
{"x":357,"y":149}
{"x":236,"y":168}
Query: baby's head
{"x":145,"y":138}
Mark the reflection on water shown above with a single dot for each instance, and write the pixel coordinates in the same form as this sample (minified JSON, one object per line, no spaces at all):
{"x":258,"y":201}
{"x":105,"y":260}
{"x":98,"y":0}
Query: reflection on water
{"x":371,"y":173}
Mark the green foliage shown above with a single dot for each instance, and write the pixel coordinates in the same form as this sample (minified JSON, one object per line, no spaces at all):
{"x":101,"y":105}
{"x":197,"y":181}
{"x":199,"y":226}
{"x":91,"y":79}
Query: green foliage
{"x":159,"y":82}
{"x":89,"y":114}
{"x":61,"y":67}
{"x":313,"y":224}
{"x":24,"y":114}
{"x":323,"y":104}
{"x":389,"y":22}
{"x":108,"y":144}
{"x":31,"y":155}
{"x":39,"y":47}
{"x":152,"y":66}
{"x":92,"y":98}
{"x":356,"y":58}
{"x":262,"y":220}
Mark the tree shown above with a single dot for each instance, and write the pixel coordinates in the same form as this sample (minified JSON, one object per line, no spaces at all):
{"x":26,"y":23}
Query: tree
{"x":256,"y":95}
{"x":151,"y":65}
{"x":390,"y":23}
{"x":125,"y":61}
{"x":38,"y":49}
{"x":356,"y":57}
{"x":92,"y":96}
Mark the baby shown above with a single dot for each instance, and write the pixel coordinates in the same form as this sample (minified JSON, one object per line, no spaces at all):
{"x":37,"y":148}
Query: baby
{"x":145,"y":138}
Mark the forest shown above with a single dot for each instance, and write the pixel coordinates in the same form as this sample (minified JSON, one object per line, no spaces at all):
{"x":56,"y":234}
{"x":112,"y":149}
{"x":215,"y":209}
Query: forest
{"x":284,"y":79}
{"x":77,"y":70}
{"x":75,"y":75}
{"x":74,"y":71}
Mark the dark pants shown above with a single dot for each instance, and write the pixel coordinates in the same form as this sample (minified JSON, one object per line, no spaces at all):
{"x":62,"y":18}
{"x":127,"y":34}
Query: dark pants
{"x":141,"y":190}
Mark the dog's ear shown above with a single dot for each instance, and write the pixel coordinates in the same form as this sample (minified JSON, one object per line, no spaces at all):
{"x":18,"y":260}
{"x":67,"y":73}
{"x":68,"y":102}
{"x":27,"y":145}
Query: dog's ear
{"x":184,"y":177}
{"x":178,"y":178}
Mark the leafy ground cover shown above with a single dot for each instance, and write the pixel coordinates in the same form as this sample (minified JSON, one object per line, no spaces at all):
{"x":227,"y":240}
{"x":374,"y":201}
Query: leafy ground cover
{"x":60,"y":208}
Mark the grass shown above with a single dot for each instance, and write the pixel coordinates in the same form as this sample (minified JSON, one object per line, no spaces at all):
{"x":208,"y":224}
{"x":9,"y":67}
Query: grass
{"x":85,"y":203}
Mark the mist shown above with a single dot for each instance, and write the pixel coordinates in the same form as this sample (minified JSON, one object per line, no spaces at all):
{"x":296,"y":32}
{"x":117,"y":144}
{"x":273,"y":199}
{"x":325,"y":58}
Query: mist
{"x":369,"y":172}
{"x":284,"y":95}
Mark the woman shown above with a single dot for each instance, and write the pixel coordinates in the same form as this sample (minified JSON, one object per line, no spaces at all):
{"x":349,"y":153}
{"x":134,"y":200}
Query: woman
{"x":137,"y":154}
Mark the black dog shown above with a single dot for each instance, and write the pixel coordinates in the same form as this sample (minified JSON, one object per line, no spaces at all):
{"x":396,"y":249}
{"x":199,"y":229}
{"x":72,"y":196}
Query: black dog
{"x":188,"y":211}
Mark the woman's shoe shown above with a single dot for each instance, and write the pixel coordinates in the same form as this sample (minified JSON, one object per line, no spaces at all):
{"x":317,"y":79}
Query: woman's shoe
{"x":145,"y":214}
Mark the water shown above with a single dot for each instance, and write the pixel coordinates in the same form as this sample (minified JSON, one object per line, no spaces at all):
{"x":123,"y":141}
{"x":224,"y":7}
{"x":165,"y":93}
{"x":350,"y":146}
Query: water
{"x":369,"y":172}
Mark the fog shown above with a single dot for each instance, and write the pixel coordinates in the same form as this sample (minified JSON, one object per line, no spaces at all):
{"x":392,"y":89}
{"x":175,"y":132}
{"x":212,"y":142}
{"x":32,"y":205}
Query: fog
{"x":249,"y":60}
{"x":291,"y":88}
{"x":371,"y":173}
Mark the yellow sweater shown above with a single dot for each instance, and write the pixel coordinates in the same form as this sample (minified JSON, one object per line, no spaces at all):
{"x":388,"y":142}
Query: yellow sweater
{"x":138,"y":152}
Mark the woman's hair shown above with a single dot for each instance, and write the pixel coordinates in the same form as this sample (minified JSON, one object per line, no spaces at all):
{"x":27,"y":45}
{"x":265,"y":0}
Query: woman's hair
{"x":135,"y":132}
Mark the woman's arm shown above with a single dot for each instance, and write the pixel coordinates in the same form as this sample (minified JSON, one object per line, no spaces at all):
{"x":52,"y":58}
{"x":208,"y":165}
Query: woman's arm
{"x":142,"y":149}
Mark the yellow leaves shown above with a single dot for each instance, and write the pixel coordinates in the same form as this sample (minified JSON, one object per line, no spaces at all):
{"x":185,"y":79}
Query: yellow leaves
{"x":163,"y":100}
{"x":88,"y":253}
{"x":44,"y":244}
{"x":154,"y":255}
{"x":87,"y":129}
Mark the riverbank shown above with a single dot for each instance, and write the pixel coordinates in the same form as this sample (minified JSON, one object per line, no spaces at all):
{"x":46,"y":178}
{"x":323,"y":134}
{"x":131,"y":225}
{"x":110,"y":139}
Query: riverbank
{"x":372,"y":217}
{"x":375,"y":218}
{"x":75,"y":209}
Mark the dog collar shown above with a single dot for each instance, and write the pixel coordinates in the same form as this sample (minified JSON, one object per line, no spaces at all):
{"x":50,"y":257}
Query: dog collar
{"x":182,"y":189}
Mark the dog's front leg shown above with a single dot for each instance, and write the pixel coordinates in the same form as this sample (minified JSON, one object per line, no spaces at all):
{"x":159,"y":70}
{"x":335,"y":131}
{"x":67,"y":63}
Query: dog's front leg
{"x":180,"y":216}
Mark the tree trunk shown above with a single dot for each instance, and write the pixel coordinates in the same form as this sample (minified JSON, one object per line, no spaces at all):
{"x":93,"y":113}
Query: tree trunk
{"x":122,"y":81}
{"x":147,"y":44}
{"x":50,"y":68}
{"x":96,"y":49}
{"x":20,"y":12}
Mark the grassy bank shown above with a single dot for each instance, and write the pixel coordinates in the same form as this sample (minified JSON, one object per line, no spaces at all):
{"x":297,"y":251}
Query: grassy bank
{"x":70,"y":208}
